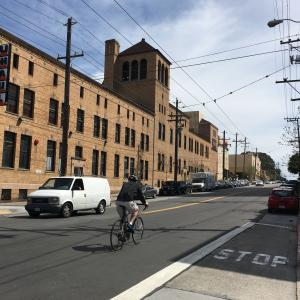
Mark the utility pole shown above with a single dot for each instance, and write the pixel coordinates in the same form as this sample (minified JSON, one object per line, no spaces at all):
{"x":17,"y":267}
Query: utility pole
{"x":178,"y":124}
{"x":66,"y":106}
{"x":244,"y":159}
{"x":235,"y":155}
{"x":298,"y":138}
{"x":224,"y":148}
{"x":255,"y":164}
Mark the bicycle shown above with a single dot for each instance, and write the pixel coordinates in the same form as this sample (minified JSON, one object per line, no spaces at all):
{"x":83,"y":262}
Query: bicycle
{"x":119,"y":233}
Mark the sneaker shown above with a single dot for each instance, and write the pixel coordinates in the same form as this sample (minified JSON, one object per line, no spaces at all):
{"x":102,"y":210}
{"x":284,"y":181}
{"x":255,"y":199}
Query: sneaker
{"x":130,"y":228}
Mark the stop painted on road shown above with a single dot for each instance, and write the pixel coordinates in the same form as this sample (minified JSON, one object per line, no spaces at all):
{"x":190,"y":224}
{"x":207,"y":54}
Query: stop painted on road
{"x":256,"y":258}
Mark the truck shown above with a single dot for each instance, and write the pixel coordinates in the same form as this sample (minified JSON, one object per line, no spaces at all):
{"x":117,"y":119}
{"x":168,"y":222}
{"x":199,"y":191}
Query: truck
{"x":202,"y":181}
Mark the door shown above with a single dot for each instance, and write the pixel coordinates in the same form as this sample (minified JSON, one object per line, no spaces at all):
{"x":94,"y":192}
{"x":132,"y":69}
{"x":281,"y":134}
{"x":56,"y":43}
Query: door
{"x":78,"y":195}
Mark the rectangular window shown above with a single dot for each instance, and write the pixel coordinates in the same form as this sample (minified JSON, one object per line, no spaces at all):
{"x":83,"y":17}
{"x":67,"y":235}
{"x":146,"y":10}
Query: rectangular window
{"x":147,"y":142}
{"x":143,"y":120}
{"x":30,"y":68}
{"x":127,"y":113}
{"x":6,"y":194}
{"x":184,"y":142}
{"x":78,"y":152}
{"x":117,"y":165}
{"x":118,"y":134}
{"x":132,"y":165}
{"x":206,"y":152}
{"x":81,"y":92}
{"x":126,"y":166}
{"x":163,"y":132}
{"x":201,"y":149}
{"x":171,"y":164}
{"x":159,"y":131}
{"x":142,"y":141}
{"x":162,"y":162}
{"x":96,"y":126}
{"x":141,"y":169}
{"x":132,"y":138}
{"x":133,"y":116}
{"x":53,"y":112}
{"x":28,"y":104}
{"x":158,"y":161}
{"x":147,"y":122}
{"x":25,"y":152}
{"x":9,"y":149}
{"x":146,"y":170}
{"x":179,"y":140}
{"x":171,"y":135}
{"x":55,"y":79}
{"x":103,"y":164}
{"x":179,"y":166}
{"x":95,"y":162}
{"x":22,"y":194}
{"x":127,"y":136}
{"x":105,"y":103}
{"x":16,"y":61}
{"x":13,"y":98}
{"x":98,"y":100}
{"x":104,"y":129}
{"x":119,"y":109}
{"x":80,"y":120}
{"x":51,"y":154}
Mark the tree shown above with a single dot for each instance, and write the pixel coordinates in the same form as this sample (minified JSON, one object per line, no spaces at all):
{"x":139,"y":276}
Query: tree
{"x":268,"y":165}
{"x":293,"y":165}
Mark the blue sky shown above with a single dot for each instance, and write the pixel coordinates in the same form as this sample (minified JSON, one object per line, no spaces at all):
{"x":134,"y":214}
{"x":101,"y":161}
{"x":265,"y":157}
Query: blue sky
{"x":187,"y":29}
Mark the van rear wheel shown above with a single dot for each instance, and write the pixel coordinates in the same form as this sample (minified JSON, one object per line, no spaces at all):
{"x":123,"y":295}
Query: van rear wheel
{"x":66,"y":210}
{"x":100,"y":210}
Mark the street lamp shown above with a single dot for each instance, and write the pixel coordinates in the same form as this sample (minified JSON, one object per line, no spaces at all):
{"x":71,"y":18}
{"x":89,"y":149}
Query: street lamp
{"x":275,"y":22}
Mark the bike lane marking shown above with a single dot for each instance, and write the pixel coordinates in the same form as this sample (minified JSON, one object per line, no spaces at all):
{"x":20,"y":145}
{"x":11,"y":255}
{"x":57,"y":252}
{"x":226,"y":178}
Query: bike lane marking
{"x":148,"y":285}
{"x":181,"y":206}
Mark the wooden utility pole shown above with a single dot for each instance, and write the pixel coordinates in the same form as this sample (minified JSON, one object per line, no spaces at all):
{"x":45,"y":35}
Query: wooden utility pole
{"x":224,"y":150}
{"x":244,"y":159}
{"x":236,"y":141}
{"x":255,"y":163}
{"x":66,"y":106}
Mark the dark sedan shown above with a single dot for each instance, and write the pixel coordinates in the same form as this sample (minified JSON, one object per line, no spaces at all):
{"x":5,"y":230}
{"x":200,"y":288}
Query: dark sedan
{"x":149,"y":191}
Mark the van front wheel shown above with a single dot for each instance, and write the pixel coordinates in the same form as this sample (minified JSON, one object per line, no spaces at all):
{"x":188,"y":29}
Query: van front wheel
{"x":66,"y":210}
{"x":100,"y":210}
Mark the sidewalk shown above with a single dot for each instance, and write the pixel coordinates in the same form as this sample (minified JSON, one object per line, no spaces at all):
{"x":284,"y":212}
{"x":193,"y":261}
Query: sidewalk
{"x":260,"y":263}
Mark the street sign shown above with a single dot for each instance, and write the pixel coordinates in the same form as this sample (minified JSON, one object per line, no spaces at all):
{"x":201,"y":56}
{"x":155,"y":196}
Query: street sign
{"x":5,"y":51}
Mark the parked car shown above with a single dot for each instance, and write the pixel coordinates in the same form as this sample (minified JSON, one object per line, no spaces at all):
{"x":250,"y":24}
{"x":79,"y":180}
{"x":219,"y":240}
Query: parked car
{"x":259,"y":183}
{"x":283,"y":197}
{"x":171,"y":188}
{"x":149,"y":191}
{"x":66,"y":195}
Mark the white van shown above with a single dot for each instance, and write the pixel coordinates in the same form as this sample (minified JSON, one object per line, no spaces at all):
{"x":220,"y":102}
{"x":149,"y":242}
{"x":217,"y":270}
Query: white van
{"x":67,"y":195}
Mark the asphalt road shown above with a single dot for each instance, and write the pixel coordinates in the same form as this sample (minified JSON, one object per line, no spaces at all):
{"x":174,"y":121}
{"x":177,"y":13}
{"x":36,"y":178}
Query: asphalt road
{"x":55,"y":258}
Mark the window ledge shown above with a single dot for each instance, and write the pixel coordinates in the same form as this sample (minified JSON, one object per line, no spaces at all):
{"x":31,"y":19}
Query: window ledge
{"x":12,"y":113}
{"x":7,"y":168}
{"x":22,"y":169}
{"x":78,"y":158}
{"x":27,"y":118}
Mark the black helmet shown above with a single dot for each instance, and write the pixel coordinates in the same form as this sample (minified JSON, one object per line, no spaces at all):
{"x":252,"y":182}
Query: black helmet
{"x":132,"y":177}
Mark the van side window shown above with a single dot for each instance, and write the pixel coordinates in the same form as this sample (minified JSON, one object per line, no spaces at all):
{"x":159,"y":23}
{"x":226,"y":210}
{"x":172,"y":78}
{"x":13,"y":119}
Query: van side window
{"x":78,"y":185}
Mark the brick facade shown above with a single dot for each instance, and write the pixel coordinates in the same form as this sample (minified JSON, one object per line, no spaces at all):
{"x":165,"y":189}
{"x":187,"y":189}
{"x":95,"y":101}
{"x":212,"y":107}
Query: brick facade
{"x":140,"y":105}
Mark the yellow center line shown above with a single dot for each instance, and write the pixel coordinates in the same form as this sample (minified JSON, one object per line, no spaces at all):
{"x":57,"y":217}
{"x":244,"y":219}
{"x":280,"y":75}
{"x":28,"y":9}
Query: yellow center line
{"x":181,"y":206}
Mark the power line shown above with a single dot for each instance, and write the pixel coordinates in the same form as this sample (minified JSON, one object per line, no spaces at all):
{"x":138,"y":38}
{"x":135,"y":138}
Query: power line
{"x":228,"y":59}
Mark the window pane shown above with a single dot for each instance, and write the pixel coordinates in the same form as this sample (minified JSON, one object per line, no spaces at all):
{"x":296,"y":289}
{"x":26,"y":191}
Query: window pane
{"x":95,"y":162}
{"x":103,"y":163}
{"x":53,"y":112}
{"x":25,"y":152}
{"x":80,"y":120}
{"x":9,"y":145}
{"x":28,"y":104}
{"x":13,"y":98}
{"x":51,"y":152}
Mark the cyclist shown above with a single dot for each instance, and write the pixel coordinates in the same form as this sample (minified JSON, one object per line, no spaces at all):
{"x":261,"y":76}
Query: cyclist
{"x":130,"y":191}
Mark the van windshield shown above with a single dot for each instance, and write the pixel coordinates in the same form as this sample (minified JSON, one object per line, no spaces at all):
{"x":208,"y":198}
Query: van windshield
{"x":57,"y":184}
{"x":198,"y":180}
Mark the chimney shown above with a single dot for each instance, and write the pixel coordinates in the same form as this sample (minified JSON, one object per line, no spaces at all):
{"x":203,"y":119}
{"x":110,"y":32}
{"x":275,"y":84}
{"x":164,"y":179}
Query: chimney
{"x":112,"y":49}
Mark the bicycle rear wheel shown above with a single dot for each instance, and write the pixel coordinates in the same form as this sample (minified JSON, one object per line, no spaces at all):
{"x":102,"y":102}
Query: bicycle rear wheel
{"x":117,"y":236}
{"x":138,"y":227}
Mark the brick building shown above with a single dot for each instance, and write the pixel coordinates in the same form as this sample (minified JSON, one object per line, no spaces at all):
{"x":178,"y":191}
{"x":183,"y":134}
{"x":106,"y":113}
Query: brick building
{"x":116,"y":128}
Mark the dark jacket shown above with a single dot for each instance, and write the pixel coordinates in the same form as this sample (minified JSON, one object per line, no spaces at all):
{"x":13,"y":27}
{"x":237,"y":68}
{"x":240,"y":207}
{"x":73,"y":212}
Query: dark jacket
{"x":131,"y":191}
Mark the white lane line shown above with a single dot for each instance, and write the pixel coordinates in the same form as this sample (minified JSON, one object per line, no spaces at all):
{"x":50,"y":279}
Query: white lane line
{"x":158,"y":279}
{"x":272,"y":225}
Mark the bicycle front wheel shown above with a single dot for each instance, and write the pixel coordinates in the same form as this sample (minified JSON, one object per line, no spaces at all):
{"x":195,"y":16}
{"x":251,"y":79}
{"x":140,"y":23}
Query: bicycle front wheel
{"x":138,"y":227}
{"x":117,"y":236}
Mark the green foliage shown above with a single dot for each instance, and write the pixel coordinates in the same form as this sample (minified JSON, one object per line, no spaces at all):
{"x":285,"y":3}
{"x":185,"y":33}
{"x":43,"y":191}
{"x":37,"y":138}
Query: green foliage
{"x":268,"y":165}
{"x":293,"y":165}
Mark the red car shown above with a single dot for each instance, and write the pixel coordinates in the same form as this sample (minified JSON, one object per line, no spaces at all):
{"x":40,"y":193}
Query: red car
{"x":283,"y":197}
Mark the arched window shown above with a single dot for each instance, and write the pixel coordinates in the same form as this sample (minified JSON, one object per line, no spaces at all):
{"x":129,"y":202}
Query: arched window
{"x":125,"y":71}
{"x":134,"y":70}
{"x":143,"y":69}
{"x":162,"y":73}
{"x":166,"y":77}
{"x":158,"y":70}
